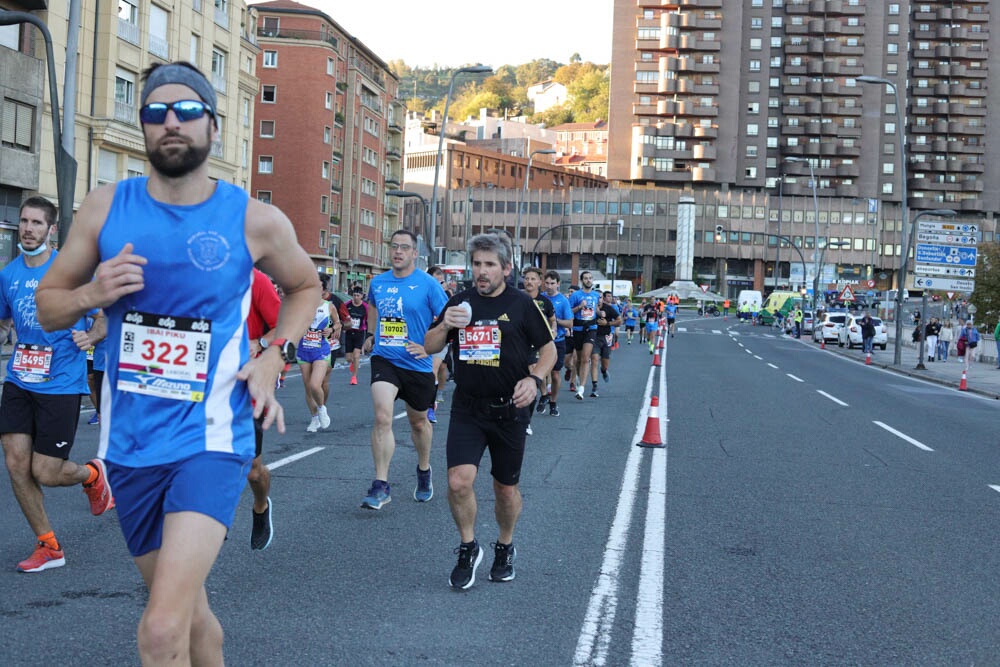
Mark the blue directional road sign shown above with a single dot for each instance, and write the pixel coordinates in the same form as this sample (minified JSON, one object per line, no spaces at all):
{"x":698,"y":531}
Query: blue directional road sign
{"x":949,"y":255}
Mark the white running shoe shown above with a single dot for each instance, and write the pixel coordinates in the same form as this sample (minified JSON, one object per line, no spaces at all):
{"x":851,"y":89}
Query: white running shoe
{"x":324,"y":418}
{"x":528,"y":430}
{"x":313,"y":425}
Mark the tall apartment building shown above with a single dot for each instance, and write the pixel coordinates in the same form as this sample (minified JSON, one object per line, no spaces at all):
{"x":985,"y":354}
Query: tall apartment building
{"x":718,"y":93}
{"x":329,"y":138}
{"x":116,"y":42}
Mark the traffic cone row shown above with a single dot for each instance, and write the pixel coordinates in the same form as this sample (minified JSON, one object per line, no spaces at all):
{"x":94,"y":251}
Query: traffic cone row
{"x":868,"y":359}
{"x":656,"y":359}
{"x":963,"y":385}
{"x":651,"y":437}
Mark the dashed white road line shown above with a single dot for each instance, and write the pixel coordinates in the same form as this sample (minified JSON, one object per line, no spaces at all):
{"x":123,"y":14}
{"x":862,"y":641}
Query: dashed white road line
{"x":773,"y":366}
{"x":832,"y":398}
{"x":995,"y":487}
{"x":757,"y":356}
{"x":748,"y":351}
{"x":794,"y":378}
{"x":716,"y":331}
{"x":293,"y":458}
{"x":400,"y":415}
{"x":915,"y":443}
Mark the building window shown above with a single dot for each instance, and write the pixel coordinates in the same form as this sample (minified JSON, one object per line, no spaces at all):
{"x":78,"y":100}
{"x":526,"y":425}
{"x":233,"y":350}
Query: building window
{"x":893,"y":9}
{"x":268,"y":94}
{"x":18,"y":125}
{"x":264,"y":196}
{"x":270,"y":59}
{"x":265,"y":164}
{"x":756,"y":23}
{"x":326,"y":135}
{"x":195,"y":50}
{"x":892,"y":48}
{"x":753,"y":129}
{"x":324,"y":203}
{"x":753,"y":86}
{"x":107,"y":167}
{"x":267,"y":128}
{"x":754,"y":65}
{"x":326,"y":170}
{"x":124,"y":96}
{"x":329,"y":101}
{"x":329,"y":66}
{"x":219,"y":70}
{"x":135,"y":168}
{"x":888,"y":167}
{"x":893,"y":29}
{"x":756,"y":44}
{"x":159,"y":44}
{"x":271,"y":26}
{"x":128,"y":20}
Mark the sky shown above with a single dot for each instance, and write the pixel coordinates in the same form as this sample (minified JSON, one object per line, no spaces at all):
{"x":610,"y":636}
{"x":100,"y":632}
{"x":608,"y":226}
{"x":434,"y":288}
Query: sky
{"x":461,"y":32}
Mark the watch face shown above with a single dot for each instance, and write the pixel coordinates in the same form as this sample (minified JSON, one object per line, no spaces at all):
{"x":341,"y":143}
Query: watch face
{"x":288,"y":351}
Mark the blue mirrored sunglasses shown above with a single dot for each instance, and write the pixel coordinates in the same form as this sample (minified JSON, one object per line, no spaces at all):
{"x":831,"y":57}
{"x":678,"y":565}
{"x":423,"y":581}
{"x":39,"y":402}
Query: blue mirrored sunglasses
{"x":155,"y":113}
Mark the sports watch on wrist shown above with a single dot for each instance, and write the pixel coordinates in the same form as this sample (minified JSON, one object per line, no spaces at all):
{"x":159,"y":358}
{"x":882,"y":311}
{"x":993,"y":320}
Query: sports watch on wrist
{"x":286,"y":347}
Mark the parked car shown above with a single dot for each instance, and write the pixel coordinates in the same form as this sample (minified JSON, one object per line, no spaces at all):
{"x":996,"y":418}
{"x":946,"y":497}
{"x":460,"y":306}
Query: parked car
{"x":850,"y":333}
{"x":829,"y":328}
{"x":807,"y":321}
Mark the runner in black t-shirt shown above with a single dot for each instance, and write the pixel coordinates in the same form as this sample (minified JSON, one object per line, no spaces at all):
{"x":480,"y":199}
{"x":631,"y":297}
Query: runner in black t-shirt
{"x":608,"y":318}
{"x":532,"y":277}
{"x":494,"y":332}
{"x":354,"y":315}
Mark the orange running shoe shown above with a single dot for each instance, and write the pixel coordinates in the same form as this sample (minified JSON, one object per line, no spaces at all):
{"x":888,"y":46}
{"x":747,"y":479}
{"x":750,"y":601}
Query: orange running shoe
{"x":354,"y":379}
{"x":43,"y":558}
{"x":99,"y":493}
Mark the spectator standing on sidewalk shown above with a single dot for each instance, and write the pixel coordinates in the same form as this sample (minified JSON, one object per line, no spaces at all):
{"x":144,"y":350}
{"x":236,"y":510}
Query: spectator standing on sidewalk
{"x":867,"y":333}
{"x":945,"y":337}
{"x":996,"y":337}
{"x":969,"y":341}
{"x":931,"y":330}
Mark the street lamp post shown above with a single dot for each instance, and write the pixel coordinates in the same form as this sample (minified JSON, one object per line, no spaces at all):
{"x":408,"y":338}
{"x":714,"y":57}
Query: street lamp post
{"x":472,"y":69}
{"x":423,"y":200}
{"x":942,"y":212}
{"x":720,"y":232}
{"x":901,"y":140}
{"x":812,"y":179}
{"x":524,"y":189}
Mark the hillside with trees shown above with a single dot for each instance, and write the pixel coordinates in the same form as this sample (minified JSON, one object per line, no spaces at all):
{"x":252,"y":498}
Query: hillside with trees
{"x":505,"y":91}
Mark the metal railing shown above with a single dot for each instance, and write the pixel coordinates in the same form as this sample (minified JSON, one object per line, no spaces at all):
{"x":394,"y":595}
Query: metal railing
{"x":128,"y":31}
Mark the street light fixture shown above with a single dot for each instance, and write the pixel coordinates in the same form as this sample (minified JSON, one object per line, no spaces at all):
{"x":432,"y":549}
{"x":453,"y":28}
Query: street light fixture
{"x":907,"y":234}
{"x":944,"y":213}
{"x":520,"y":202}
{"x":472,"y":69}
{"x":816,"y":253}
{"x":423,"y":200}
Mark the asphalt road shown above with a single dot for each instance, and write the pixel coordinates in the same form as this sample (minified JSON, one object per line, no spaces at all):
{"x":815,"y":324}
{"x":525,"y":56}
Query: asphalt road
{"x":779,"y":525}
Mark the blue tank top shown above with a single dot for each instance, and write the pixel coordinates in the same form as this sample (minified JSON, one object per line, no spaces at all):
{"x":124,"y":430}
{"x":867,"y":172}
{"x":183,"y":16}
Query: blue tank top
{"x":42,"y":362}
{"x":406,"y":308}
{"x":170,"y":389}
{"x":314,"y":345}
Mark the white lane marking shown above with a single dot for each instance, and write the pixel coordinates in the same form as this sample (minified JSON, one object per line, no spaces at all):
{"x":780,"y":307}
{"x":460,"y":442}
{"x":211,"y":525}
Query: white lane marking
{"x":716,"y":331}
{"x":773,"y":366}
{"x":647,"y":633}
{"x":915,"y":443}
{"x":995,"y":487}
{"x":681,"y":328}
{"x":741,"y":344}
{"x":757,"y":356}
{"x":832,"y":398}
{"x":400,"y":415}
{"x":294,"y":457}
{"x":748,"y":351}
{"x":794,"y":378}
{"x":595,"y":634}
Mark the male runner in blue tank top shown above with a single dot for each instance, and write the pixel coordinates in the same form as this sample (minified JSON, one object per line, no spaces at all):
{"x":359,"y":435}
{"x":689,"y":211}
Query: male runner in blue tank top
{"x":40,"y":407}
{"x":173,"y":255}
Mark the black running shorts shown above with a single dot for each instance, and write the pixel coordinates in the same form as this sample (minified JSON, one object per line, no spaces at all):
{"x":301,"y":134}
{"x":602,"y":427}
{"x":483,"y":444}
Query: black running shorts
{"x":50,"y":419}
{"x":416,"y":388}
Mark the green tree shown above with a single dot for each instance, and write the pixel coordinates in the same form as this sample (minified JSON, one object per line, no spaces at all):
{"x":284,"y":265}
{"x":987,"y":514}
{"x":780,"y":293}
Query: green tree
{"x":536,"y":71}
{"x":553,"y":116}
{"x":589,"y":96}
{"x":986,"y":296}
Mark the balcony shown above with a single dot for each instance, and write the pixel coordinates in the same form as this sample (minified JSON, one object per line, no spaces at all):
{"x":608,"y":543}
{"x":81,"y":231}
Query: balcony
{"x":128,"y":31}
{"x":307,"y":35}
{"x":159,"y":47}
{"x":221,"y":17}
{"x":125,"y":112}
{"x":216,"y":150}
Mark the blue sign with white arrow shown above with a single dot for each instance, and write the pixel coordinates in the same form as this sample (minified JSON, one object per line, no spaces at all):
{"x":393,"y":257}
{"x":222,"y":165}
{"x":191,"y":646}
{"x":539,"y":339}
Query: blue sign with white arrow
{"x":950,"y":255}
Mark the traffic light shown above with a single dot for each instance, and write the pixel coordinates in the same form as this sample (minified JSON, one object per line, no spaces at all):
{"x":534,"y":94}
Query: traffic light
{"x":718,"y":233}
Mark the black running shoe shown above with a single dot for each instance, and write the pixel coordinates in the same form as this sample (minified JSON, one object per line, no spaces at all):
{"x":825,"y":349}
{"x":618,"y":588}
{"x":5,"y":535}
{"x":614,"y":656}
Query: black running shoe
{"x":553,"y":410}
{"x":543,"y":402}
{"x":503,"y":562}
{"x":469,"y":558}
{"x":594,"y":394}
{"x":605,"y":375}
{"x":263,"y":529}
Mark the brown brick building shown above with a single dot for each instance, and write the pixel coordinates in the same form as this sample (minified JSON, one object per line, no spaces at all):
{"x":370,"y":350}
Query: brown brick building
{"x":328,"y":138}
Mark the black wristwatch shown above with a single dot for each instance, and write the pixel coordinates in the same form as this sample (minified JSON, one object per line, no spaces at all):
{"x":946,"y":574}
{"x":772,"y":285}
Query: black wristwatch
{"x":538,"y":381}
{"x":286,"y":347}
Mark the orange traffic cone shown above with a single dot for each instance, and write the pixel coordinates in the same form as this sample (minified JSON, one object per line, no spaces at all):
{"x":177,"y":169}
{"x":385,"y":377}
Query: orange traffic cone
{"x":963,"y":385}
{"x":656,"y":359}
{"x":868,"y":359}
{"x":651,"y":438}
{"x":822,"y":343}
{"x":659,"y":345}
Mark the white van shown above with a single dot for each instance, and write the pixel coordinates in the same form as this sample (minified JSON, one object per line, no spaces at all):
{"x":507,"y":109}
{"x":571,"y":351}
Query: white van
{"x":753,"y":297}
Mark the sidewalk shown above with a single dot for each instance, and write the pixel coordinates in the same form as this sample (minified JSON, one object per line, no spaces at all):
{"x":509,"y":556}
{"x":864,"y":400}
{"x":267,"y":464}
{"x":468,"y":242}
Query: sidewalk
{"x":982,"y":377}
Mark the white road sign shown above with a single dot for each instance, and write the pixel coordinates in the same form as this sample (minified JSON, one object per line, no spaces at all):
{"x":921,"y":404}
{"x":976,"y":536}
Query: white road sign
{"x":944,"y":270}
{"x":951,"y":284}
{"x":947,"y":227}
{"x":954,"y":239}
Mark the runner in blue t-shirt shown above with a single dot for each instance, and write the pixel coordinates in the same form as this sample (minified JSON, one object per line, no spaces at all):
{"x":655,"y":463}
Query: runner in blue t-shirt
{"x":670,"y":310}
{"x":631,"y":319}
{"x":46,"y":375}
{"x":564,"y":324}
{"x":402,"y":303}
